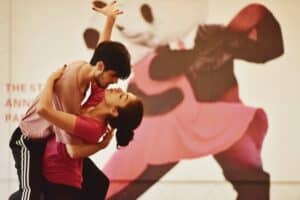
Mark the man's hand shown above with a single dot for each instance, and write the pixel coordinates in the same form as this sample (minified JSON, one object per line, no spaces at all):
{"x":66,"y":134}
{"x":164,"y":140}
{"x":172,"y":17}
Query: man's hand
{"x":107,"y":137}
{"x":110,"y":10}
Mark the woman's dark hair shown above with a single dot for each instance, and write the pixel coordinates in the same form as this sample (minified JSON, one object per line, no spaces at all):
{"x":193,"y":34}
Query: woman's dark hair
{"x":129,"y":118}
{"x":115,"y":57}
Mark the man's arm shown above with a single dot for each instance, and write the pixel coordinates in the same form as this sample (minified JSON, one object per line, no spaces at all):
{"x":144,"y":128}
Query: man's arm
{"x":45,"y":108}
{"x":106,"y":34}
{"x":110,"y":11}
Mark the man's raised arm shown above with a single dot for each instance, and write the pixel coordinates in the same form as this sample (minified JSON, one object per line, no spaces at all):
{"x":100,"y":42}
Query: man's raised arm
{"x":111,"y":11}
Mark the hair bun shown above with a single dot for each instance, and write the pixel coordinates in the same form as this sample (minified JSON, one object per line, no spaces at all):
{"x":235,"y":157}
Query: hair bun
{"x":123,"y":137}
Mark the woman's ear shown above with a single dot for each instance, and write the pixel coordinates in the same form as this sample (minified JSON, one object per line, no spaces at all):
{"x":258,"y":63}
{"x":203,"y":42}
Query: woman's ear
{"x":114,"y":112}
{"x":100,"y":66}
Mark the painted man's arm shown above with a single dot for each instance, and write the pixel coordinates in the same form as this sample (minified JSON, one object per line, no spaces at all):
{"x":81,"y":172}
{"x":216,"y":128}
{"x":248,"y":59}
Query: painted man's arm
{"x":254,"y":35}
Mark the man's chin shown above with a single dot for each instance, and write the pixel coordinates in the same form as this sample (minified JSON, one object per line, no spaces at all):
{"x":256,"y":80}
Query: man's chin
{"x":103,"y":86}
{"x":100,"y":85}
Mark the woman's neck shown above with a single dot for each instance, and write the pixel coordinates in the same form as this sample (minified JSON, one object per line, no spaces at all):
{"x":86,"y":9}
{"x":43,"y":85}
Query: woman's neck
{"x":99,"y":113}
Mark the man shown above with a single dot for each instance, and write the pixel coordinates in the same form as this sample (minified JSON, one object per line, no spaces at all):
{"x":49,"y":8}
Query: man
{"x":28,"y":141}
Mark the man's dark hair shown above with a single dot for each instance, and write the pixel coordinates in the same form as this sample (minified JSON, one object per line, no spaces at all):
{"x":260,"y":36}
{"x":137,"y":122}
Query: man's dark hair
{"x":115,"y":56}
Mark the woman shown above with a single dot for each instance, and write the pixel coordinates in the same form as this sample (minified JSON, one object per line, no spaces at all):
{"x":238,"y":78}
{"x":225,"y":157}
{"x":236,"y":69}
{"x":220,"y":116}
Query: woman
{"x":62,"y":164}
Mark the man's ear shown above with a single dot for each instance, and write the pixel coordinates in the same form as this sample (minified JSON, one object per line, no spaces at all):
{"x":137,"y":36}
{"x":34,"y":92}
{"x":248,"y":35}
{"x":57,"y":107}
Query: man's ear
{"x":100,"y":66}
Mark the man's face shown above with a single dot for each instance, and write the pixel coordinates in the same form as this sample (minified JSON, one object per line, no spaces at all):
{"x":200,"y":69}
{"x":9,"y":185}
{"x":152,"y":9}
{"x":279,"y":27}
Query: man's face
{"x":105,"y":78}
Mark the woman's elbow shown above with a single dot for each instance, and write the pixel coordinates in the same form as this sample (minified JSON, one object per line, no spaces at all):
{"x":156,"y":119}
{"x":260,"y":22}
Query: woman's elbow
{"x":73,"y":153}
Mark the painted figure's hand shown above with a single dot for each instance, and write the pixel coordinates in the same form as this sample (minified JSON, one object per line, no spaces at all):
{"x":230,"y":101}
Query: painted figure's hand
{"x":110,"y":9}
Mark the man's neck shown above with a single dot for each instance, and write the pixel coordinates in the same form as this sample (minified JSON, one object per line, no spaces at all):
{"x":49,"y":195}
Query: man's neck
{"x":87,"y":79}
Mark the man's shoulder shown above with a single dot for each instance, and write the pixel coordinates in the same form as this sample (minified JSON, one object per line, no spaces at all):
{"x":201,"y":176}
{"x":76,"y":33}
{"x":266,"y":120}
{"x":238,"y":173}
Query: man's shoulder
{"x":73,"y":74}
{"x":79,"y":67}
{"x":77,"y":63}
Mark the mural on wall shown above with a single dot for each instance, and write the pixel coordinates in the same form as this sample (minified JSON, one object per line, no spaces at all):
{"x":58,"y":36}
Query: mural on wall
{"x":191,"y":95}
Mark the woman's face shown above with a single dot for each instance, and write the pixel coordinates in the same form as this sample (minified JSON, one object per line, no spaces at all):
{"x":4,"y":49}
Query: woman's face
{"x":118,"y":98}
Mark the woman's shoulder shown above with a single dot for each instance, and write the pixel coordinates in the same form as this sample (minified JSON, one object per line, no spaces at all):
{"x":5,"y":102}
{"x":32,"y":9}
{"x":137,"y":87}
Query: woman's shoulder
{"x":90,"y":128}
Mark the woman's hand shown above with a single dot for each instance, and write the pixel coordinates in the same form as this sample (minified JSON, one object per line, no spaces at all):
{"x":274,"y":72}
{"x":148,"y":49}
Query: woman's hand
{"x":110,"y":10}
